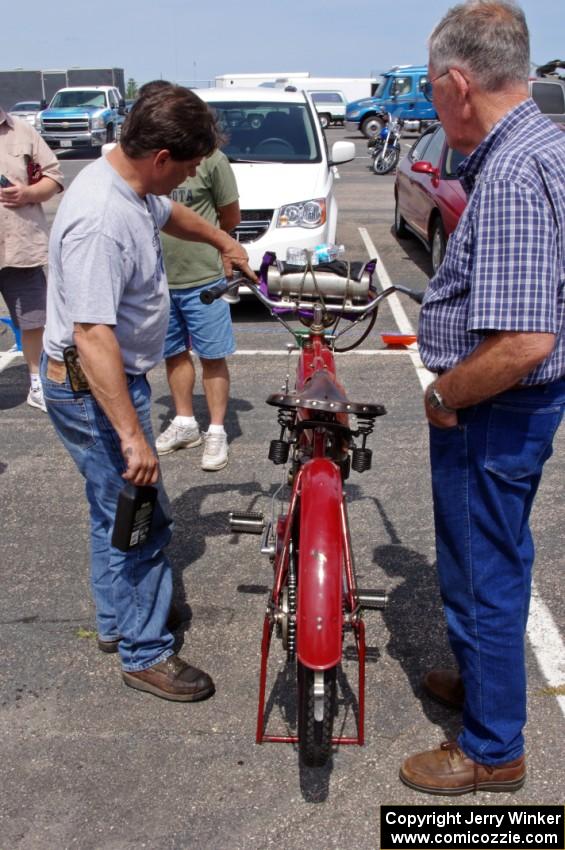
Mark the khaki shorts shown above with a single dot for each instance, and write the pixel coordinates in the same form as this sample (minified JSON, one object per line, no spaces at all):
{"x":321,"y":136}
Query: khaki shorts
{"x":25,"y":292}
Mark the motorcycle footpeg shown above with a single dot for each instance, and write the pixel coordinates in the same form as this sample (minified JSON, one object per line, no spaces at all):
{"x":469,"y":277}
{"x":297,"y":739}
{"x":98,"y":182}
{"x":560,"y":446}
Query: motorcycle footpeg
{"x":372,"y":600}
{"x":246,"y":522}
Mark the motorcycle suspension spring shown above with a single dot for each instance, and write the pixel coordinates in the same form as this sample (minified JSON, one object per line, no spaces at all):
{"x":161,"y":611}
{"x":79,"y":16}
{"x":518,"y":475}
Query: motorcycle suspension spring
{"x":365,"y":426}
{"x":286,"y":418}
{"x":278,"y":451}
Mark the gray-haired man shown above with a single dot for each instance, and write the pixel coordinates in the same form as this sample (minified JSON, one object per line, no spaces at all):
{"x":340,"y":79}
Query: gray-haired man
{"x":492,"y":329}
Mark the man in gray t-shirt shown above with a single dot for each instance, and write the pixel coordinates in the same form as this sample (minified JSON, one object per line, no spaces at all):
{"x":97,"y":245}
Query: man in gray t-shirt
{"x":108,"y":303}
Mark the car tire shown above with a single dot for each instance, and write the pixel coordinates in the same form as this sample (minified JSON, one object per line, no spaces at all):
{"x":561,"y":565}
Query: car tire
{"x":400,"y":228}
{"x":371,"y":126}
{"x":324,"y":120}
{"x":438,"y":243}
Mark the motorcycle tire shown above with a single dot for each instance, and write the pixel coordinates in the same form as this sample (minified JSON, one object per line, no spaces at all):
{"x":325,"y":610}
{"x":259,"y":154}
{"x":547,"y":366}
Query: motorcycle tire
{"x":315,"y":736}
{"x":384,"y":164}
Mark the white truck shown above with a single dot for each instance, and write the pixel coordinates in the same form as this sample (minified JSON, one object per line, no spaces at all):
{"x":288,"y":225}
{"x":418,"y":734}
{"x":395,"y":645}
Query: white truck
{"x":353,"y":88}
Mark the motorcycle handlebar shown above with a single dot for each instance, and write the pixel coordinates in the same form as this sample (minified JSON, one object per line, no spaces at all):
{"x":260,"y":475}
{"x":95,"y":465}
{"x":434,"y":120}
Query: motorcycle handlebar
{"x":418,"y":297}
{"x":208,"y":296}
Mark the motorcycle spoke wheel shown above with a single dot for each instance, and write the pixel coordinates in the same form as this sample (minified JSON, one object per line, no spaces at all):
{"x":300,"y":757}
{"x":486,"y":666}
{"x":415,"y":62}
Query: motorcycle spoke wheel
{"x":316,"y":712}
{"x":385,"y":164}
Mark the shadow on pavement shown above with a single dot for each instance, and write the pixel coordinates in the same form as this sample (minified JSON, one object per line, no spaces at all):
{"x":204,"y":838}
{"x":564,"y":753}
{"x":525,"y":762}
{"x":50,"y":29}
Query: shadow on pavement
{"x":415,"y":622}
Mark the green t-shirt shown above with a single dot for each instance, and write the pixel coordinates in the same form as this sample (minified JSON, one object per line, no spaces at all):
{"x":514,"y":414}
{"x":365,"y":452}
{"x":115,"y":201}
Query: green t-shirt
{"x":190,"y":264}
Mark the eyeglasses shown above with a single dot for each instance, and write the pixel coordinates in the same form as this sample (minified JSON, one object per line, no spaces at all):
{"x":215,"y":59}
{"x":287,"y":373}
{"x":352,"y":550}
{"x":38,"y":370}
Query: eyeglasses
{"x":427,"y":87}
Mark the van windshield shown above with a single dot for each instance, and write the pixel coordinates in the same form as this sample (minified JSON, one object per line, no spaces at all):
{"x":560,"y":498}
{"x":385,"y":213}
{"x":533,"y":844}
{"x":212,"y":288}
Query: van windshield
{"x":266,"y":131}
{"x":70,"y":99}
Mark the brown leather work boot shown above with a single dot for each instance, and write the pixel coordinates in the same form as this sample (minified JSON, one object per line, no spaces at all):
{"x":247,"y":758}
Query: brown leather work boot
{"x":173,"y":679}
{"x":445,"y":686}
{"x":449,"y":771}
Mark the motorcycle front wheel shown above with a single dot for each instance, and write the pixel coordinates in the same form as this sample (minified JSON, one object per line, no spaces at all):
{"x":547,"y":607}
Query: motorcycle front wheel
{"x":384,"y":163}
{"x":316,"y":712}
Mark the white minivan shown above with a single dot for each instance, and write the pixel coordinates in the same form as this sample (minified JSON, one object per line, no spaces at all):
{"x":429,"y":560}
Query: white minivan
{"x":284,"y":171}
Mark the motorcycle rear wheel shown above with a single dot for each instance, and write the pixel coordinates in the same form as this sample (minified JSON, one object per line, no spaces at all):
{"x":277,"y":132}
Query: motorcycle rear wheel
{"x":383,"y":164}
{"x":315,"y":735}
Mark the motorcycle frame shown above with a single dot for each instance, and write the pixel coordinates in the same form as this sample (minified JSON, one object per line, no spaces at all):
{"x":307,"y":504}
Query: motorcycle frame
{"x":326,"y":571}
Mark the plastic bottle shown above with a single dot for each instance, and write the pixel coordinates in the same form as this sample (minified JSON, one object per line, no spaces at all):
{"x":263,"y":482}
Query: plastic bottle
{"x":297,"y":256}
{"x":328,"y":252}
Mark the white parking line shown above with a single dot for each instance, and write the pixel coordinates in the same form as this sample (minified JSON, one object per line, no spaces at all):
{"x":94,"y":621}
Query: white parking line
{"x":403,"y":322}
{"x":543,"y":634}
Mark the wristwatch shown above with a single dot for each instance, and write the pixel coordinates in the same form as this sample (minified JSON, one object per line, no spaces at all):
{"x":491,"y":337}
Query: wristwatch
{"x":434,"y":399}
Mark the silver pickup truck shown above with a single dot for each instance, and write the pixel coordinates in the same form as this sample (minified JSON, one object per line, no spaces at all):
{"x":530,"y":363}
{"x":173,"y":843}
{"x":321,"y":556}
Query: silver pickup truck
{"x":85,"y":116}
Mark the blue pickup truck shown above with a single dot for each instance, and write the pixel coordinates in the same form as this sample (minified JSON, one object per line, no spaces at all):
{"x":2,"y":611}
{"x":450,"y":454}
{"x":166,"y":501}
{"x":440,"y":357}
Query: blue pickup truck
{"x":400,"y":93}
{"x":86,"y":116}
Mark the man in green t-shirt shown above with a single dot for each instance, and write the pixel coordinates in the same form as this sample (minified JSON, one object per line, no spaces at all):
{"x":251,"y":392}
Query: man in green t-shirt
{"x":204,"y":329}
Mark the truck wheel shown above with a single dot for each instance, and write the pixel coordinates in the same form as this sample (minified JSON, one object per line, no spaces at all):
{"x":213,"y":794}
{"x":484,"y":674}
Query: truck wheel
{"x":325,"y":120}
{"x":371,"y":126}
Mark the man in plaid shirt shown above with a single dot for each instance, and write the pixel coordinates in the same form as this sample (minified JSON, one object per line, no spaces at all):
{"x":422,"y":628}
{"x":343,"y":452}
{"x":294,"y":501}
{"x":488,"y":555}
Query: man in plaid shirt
{"x":492,"y":329}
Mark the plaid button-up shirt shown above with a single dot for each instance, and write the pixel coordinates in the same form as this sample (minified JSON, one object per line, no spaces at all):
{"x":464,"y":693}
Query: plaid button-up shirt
{"x":504,"y":268}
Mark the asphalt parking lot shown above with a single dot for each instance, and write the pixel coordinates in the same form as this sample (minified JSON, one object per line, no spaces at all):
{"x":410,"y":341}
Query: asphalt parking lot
{"x":87,"y":763}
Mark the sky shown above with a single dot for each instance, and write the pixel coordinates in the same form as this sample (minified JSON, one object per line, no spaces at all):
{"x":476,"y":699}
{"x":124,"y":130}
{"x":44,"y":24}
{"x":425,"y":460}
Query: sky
{"x":190,"y":42}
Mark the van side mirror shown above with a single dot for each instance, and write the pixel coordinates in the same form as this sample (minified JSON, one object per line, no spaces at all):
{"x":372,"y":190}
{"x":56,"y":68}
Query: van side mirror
{"x":341,"y":152}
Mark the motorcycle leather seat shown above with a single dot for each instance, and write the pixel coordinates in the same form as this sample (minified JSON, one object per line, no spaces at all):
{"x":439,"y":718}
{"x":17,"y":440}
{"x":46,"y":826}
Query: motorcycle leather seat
{"x":322,"y":393}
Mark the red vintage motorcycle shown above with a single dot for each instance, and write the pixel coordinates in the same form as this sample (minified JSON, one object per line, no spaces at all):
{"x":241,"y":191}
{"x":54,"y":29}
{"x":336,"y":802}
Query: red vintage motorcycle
{"x":315,"y":598}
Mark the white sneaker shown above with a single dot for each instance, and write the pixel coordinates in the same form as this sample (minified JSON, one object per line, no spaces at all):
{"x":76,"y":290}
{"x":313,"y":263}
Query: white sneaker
{"x":215,"y":452}
{"x":177,"y":437}
{"x":35,"y":399}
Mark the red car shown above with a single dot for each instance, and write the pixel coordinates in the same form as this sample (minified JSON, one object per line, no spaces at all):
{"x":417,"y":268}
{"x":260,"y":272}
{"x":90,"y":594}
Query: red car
{"x":429,"y":198}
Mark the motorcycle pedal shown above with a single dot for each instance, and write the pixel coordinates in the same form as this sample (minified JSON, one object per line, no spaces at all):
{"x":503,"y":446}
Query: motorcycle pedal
{"x":372,"y":600}
{"x":246,"y":522}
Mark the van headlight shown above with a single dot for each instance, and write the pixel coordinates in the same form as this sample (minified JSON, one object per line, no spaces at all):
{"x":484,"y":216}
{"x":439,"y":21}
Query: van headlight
{"x":303,"y":214}
{"x":98,"y":123}
{"x":37,"y":121}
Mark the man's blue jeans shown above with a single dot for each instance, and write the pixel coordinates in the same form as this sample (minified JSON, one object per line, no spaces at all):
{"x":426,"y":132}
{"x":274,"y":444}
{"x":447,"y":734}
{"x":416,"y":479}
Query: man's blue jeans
{"x":485,"y":474}
{"x":132,"y":591}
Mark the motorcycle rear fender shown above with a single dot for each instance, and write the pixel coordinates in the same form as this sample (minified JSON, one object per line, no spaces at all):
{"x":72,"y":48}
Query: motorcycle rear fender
{"x":320,"y":561}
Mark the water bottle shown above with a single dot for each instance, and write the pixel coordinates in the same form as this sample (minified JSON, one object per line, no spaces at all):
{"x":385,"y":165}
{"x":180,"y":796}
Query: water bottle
{"x":296,"y":256}
{"x":328,"y":252}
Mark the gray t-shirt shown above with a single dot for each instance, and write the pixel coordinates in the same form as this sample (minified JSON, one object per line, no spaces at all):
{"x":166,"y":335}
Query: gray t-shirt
{"x":106,"y":267}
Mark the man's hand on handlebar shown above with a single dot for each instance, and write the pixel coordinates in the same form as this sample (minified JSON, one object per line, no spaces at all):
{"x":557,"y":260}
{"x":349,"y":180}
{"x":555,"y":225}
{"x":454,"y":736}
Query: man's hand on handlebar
{"x":233,"y":256}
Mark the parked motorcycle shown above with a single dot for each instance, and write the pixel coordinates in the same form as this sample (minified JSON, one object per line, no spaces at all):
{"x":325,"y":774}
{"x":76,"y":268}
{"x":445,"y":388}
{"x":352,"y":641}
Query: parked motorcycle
{"x":385,"y":147}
